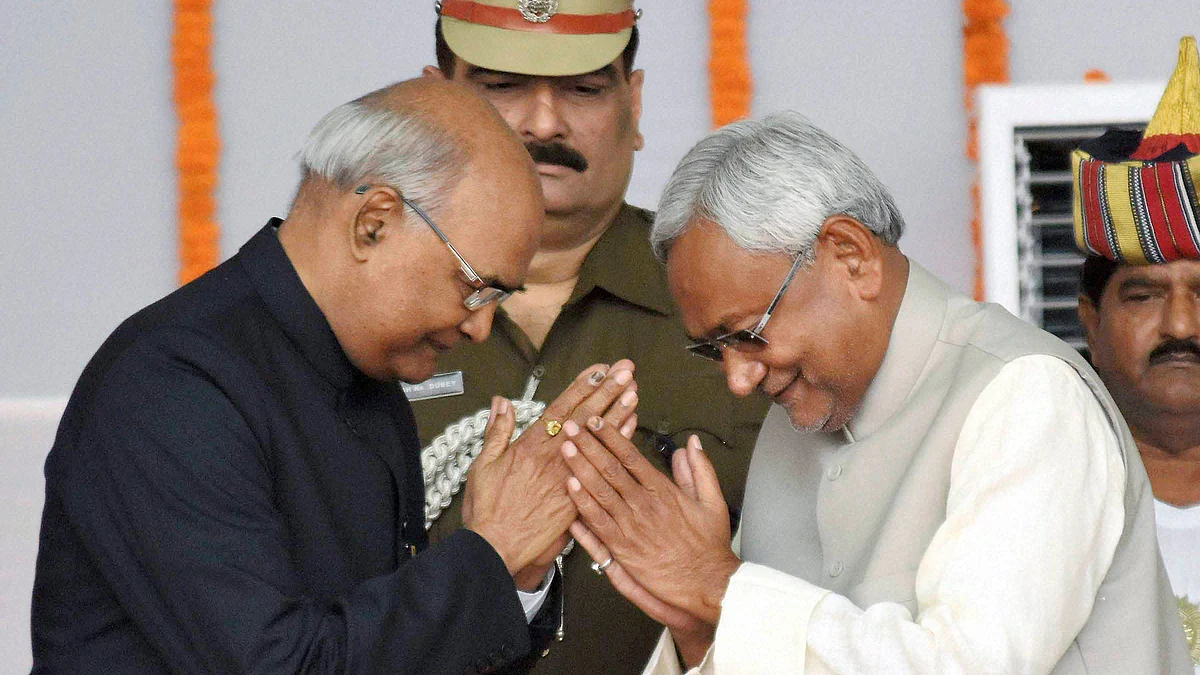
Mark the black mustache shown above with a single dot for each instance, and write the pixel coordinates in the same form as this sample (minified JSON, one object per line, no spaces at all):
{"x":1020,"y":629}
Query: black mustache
{"x":1173,"y":347}
{"x":557,"y":153}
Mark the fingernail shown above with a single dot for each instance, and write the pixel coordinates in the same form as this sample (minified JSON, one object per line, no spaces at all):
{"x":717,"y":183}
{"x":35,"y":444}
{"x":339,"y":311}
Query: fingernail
{"x":571,"y":428}
{"x":596,"y":377}
{"x":573,"y":484}
{"x":595,"y":423}
{"x":502,"y":407}
{"x":695,"y":440}
{"x":623,"y":377}
{"x":628,"y":398}
{"x":569,"y":449}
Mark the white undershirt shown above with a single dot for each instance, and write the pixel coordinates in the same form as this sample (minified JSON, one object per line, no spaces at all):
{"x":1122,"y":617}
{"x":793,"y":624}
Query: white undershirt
{"x":1179,"y":541}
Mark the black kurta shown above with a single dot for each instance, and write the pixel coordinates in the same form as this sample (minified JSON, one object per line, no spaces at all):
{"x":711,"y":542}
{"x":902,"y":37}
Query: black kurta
{"x":228,"y":494}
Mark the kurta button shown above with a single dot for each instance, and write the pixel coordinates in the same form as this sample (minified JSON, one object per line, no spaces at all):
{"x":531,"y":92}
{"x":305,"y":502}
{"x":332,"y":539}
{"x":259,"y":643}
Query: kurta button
{"x":539,"y":371}
{"x":836,"y":568}
{"x":834,"y":472}
{"x":664,"y":427}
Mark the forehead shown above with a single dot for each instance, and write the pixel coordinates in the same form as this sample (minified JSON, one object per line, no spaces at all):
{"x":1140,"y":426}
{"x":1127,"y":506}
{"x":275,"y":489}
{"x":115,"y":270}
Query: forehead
{"x":715,"y":282}
{"x":494,"y":218}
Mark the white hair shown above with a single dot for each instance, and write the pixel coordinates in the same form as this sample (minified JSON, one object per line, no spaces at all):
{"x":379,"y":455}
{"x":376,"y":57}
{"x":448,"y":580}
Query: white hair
{"x":366,"y":141}
{"x":770,"y":185}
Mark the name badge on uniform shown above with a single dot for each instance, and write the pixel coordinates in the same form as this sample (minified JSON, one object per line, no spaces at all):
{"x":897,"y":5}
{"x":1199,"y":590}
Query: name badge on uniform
{"x":438,"y":386}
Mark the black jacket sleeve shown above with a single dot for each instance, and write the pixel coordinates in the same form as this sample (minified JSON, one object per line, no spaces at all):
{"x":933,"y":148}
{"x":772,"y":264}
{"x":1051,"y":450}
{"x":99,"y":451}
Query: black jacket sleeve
{"x":171,"y":497}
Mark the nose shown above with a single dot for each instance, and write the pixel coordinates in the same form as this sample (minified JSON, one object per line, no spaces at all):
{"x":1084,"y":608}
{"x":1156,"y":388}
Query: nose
{"x":541,"y":118}
{"x":478,"y":323}
{"x":1181,"y":315}
{"x":742,"y":373}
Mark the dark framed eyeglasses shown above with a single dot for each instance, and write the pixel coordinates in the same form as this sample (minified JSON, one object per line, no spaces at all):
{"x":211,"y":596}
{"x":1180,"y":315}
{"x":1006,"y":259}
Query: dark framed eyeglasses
{"x":747,"y":340}
{"x":484,"y":294}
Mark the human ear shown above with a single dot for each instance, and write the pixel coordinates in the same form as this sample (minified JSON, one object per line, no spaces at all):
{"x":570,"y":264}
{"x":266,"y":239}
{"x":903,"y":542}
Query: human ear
{"x":857,"y":250}
{"x":433,"y":73}
{"x":1089,"y":319}
{"x":635,"y":105}
{"x":380,"y":207}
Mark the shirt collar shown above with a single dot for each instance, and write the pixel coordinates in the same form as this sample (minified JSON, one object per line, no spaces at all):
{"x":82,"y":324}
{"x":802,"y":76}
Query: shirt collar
{"x":623,"y":264}
{"x":293,"y":307}
{"x":914,"y":334}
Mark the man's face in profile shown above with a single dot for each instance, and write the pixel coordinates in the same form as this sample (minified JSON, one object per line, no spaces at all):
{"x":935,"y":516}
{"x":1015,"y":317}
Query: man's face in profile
{"x":581,"y":130}
{"x":814,"y":366}
{"x":1145,"y":339}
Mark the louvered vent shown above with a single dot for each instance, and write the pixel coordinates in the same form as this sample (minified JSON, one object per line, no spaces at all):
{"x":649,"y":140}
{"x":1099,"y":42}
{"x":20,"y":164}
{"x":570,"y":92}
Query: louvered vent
{"x":1048,"y":262}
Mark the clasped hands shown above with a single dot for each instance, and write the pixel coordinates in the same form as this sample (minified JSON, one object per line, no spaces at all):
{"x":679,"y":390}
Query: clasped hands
{"x":516,"y":494}
{"x":668,"y":541}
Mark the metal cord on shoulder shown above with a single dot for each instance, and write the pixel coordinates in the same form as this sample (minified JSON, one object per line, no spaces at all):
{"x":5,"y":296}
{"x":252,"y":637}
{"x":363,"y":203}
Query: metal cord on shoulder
{"x":446,"y":460}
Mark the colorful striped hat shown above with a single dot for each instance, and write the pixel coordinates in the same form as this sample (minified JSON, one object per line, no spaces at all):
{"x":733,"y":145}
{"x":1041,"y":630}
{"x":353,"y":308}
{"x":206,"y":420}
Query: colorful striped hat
{"x":1137,"y":195}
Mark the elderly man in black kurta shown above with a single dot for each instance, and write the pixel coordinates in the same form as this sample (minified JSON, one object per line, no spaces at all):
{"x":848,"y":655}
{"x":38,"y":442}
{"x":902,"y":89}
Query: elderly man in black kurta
{"x":235,"y":485}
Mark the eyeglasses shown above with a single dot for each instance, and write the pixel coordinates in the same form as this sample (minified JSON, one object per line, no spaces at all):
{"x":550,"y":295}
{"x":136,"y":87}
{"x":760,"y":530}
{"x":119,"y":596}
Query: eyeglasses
{"x":484,"y":294}
{"x":746,"y":339}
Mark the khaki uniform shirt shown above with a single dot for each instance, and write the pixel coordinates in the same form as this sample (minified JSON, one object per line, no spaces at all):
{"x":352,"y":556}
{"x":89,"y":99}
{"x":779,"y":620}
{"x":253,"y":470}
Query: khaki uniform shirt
{"x":620,"y":308}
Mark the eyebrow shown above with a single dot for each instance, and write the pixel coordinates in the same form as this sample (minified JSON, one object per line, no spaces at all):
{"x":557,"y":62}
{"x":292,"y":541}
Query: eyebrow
{"x":472,"y":71}
{"x":609,"y":72}
{"x":722,"y":328}
{"x":1138,"y":283}
{"x":496,"y":283}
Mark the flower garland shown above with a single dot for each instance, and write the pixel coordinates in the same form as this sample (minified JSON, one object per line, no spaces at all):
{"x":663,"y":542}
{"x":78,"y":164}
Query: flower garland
{"x":197,"y":145}
{"x":985,"y":60}
{"x":729,"y":84}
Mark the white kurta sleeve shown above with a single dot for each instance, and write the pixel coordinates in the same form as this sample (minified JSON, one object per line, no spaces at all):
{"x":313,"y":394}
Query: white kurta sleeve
{"x":1033,"y":517}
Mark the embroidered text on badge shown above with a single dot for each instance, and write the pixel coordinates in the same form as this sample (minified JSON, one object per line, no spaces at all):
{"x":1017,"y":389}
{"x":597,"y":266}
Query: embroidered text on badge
{"x":438,"y":386}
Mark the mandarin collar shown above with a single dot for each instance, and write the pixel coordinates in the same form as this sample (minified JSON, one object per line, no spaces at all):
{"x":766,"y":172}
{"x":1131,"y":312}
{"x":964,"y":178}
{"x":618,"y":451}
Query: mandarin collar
{"x":623,"y":264}
{"x":914,"y":333}
{"x":284,"y":294}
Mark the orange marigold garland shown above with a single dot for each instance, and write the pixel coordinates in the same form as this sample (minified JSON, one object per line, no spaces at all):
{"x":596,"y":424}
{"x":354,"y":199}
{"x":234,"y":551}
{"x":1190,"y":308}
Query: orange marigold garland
{"x":197,"y":145}
{"x":728,"y":63}
{"x":985,"y":60}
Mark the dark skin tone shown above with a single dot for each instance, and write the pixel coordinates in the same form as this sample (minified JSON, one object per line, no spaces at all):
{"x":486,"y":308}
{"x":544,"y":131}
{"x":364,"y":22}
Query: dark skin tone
{"x":669,"y":539}
{"x":595,"y":116}
{"x":1145,"y":342}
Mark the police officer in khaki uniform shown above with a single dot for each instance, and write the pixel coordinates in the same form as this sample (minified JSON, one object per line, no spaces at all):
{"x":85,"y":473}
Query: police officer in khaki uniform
{"x":561,"y":73}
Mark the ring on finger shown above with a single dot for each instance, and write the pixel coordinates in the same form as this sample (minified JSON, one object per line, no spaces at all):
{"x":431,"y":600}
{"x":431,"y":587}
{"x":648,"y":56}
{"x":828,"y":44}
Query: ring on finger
{"x":553,"y":427}
{"x":599,"y":568}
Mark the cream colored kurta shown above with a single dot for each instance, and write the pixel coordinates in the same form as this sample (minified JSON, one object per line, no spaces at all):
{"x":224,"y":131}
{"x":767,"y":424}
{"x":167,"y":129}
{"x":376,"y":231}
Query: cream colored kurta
{"x":1034,"y":501}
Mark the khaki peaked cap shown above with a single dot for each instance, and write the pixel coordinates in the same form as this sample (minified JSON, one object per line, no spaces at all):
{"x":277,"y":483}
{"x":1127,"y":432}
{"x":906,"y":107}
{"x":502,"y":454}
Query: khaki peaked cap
{"x":538,"y":37}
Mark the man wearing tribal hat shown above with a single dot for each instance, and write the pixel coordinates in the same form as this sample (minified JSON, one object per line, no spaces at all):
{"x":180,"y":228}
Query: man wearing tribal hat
{"x":1137,"y":207}
{"x":561,"y":74}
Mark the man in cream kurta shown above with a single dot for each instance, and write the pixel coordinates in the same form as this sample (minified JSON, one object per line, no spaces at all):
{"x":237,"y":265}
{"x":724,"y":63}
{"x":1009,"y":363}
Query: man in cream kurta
{"x":964,"y":497}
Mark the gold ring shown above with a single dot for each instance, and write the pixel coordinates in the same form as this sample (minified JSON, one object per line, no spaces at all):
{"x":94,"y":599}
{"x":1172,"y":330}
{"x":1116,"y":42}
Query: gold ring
{"x":553,"y":427}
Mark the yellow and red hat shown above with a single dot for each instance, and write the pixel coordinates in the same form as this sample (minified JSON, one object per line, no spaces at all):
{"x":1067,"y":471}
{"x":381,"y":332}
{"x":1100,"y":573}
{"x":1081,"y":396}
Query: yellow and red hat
{"x":1137,"y":195}
{"x":538,"y":37}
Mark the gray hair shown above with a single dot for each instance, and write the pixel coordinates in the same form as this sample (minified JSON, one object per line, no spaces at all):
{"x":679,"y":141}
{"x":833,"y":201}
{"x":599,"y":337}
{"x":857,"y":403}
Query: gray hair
{"x":769,"y":185}
{"x":364,"y":139}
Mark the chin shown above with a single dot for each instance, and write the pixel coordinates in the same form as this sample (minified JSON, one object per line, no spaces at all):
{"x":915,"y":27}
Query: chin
{"x":807,"y":421}
{"x":413,"y":373}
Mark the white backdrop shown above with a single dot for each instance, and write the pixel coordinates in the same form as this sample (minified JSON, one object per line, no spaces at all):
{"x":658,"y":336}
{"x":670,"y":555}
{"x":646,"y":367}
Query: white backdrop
{"x":86,"y":149}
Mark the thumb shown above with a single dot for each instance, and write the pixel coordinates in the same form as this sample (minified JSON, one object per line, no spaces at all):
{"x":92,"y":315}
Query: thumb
{"x":681,"y":469}
{"x":498,"y":433}
{"x":708,"y":488}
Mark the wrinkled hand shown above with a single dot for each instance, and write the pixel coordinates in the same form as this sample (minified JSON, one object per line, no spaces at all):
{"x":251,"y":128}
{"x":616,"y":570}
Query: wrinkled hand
{"x":672,"y":541}
{"x":515,"y":496}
